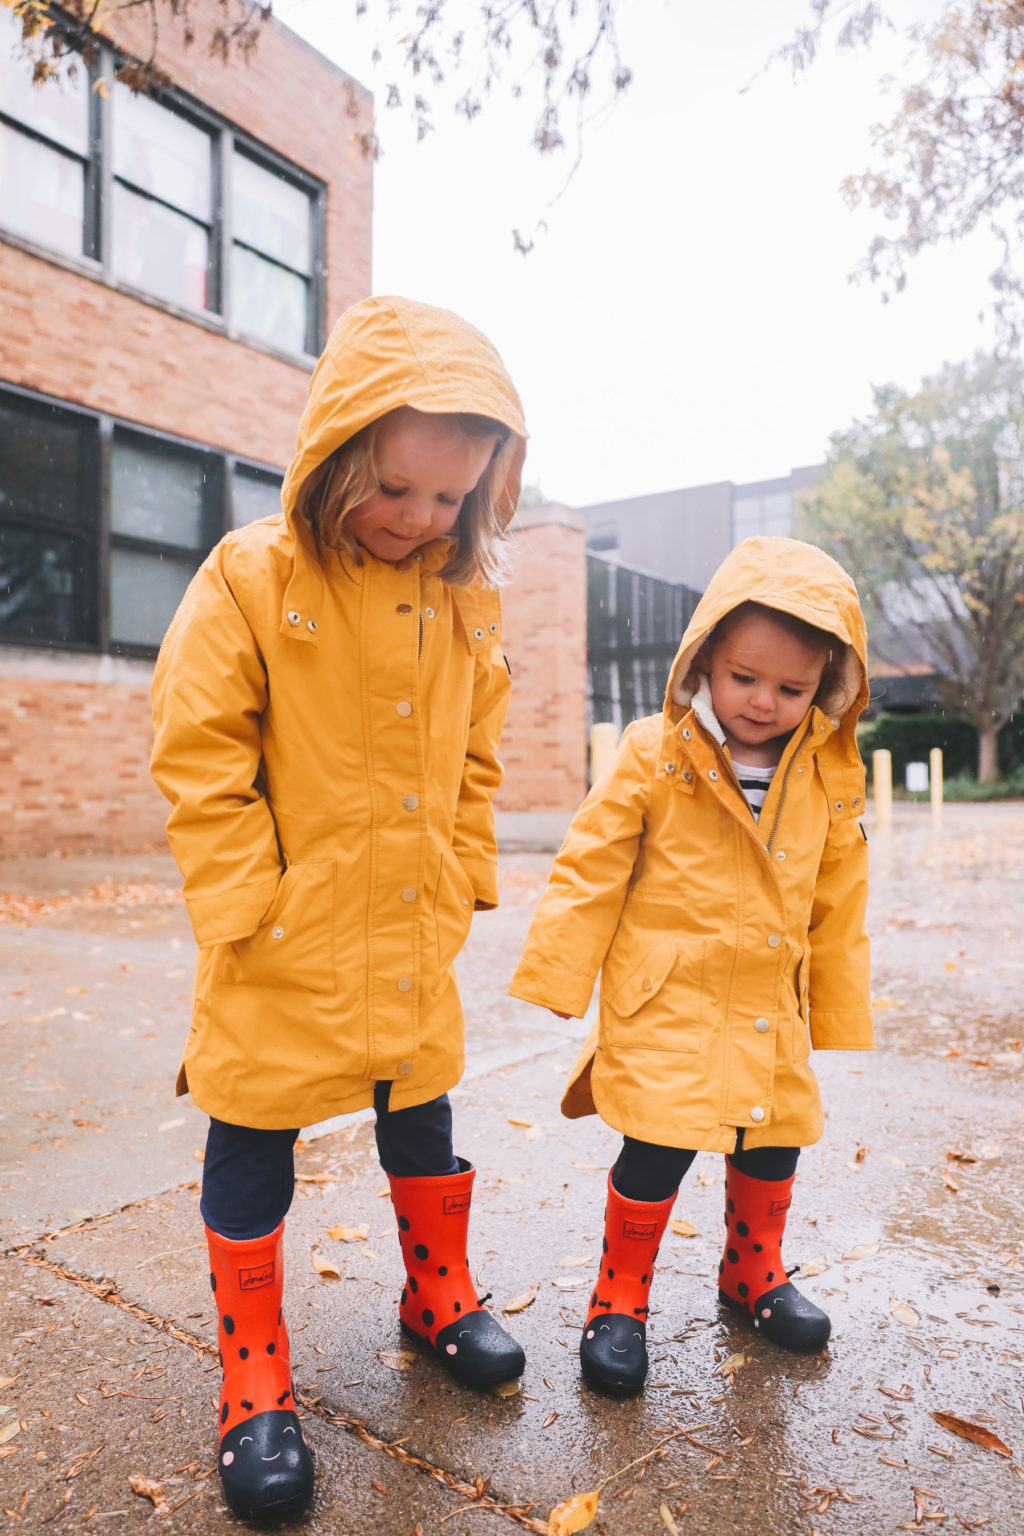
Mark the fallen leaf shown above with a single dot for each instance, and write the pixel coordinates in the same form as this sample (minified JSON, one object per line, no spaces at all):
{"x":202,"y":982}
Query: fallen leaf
{"x":506,"y":1388}
{"x":950,"y":1182}
{"x":897,"y":1162}
{"x":513,"y":1120}
{"x":349,"y":1234}
{"x":169,"y":1125}
{"x":314,"y":1178}
{"x":862,"y":1251}
{"x":549,"y":1420}
{"x":969,"y":1431}
{"x":733,"y":1363}
{"x":667,"y":1521}
{"x":951,"y":965}
{"x":9,"y":1431}
{"x":881,"y":1003}
{"x":397,"y":1359}
{"x":989,"y":1151}
{"x":574,"y":1261}
{"x":814,"y":1266}
{"x":200,"y":1155}
{"x":860,"y":1154}
{"x":324,"y":1266}
{"x":683,"y":1228}
{"x":903,"y":1312}
{"x":572,"y":1283}
{"x":592,"y":1167}
{"x":148,"y":1488}
{"x":574,"y":1515}
{"x":523,"y":1300}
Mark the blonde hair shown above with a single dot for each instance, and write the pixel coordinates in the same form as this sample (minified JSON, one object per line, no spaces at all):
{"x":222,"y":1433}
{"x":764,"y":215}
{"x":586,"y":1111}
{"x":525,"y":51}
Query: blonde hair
{"x":332,"y":491}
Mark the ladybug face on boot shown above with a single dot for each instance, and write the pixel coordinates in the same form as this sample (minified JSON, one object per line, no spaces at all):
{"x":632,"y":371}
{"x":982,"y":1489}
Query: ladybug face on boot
{"x":251,"y":1449}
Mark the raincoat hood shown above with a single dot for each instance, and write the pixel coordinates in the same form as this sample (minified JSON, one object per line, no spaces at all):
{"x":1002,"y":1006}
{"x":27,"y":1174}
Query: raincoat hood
{"x":384,"y":353}
{"x":795,"y":578}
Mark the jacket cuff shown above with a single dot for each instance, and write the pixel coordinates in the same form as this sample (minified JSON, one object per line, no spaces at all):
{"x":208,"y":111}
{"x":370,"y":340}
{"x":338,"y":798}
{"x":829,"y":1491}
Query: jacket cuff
{"x":551,"y":986}
{"x":842,"y":1031}
{"x":226,"y":916}
{"x":482,"y":875}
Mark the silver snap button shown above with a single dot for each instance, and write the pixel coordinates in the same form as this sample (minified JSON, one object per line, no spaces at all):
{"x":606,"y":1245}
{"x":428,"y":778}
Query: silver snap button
{"x":311,"y":626}
{"x":647,"y":984}
{"x":492,"y":629}
{"x":687,"y":775}
{"x":294,"y":618}
{"x":277,"y":932}
{"x":405,"y":984}
{"x":411,"y":802}
{"x":686,"y":734}
{"x":409,"y":894}
{"x":403,"y":1069}
{"x":403,"y":709}
{"x":430,"y":613}
{"x":713,"y":775}
{"x":757,"y":1113}
{"x":839,"y":805}
{"x":856,"y":801}
{"x":762,"y":1026}
{"x":670,"y":767}
{"x":774,"y":940}
{"x":781,"y":856}
{"x":478,"y":634}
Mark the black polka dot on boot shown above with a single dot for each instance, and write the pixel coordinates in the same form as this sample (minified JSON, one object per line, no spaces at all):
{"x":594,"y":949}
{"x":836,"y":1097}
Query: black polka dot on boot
{"x":228,"y":1323}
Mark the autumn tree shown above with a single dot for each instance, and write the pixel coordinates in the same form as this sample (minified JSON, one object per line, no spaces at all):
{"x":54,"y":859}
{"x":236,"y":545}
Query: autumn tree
{"x":923,"y":502}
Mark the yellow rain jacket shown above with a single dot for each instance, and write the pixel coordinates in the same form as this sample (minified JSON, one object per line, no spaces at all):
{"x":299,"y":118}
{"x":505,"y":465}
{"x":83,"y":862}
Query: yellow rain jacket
{"x":726,"y":946}
{"x":327,"y":737}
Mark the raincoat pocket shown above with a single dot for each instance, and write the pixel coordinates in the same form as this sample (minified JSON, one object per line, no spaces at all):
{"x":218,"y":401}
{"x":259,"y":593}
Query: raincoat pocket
{"x":658,"y":1006}
{"x":453,"y":909}
{"x":294,"y":945}
{"x":801,"y":1026}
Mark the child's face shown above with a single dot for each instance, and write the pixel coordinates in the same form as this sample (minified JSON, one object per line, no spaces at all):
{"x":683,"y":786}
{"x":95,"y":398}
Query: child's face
{"x":763,"y":680}
{"x":425,"y":468}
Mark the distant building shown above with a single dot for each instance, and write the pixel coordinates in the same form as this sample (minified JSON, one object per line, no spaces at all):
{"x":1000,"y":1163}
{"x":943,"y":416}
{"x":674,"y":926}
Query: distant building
{"x":169,"y":265}
{"x":682,"y":536}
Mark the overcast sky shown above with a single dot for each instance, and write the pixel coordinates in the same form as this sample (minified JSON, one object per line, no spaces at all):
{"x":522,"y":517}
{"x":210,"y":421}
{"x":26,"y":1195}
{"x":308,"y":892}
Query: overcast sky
{"x":687,"y":316}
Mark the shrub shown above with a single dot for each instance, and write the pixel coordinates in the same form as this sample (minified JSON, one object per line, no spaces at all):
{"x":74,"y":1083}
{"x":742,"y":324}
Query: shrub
{"x":911,"y":737}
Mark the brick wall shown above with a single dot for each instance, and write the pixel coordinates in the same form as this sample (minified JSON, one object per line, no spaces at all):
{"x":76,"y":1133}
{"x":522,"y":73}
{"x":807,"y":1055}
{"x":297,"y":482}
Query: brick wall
{"x":544,"y":609}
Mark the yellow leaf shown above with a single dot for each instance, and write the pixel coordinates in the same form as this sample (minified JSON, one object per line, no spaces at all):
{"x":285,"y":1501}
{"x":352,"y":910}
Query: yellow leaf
{"x":349,"y":1234}
{"x":951,"y":965}
{"x":506,"y":1388}
{"x":732,"y":1364}
{"x":683,"y":1228}
{"x":324,"y":1267}
{"x":667,"y":1521}
{"x":574,"y":1515}
{"x":522,"y":1301}
{"x":881,"y":1003}
{"x":512,"y":1120}
{"x":314,"y":1178}
{"x":904,"y":1312}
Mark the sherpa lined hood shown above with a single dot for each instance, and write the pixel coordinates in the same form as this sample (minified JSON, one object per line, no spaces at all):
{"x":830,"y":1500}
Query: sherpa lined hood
{"x":795,"y":578}
{"x":388,"y":352}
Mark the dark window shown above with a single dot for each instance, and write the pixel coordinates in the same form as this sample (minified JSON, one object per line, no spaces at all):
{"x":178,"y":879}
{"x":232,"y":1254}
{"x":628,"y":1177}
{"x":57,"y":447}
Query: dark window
{"x":44,"y":147}
{"x":165,"y":513}
{"x":255,"y":494}
{"x":162,"y":200}
{"x":48,"y":525}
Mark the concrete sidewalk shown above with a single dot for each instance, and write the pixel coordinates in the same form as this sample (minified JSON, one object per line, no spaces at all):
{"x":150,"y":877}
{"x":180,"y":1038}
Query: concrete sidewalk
{"x":907,"y":1217}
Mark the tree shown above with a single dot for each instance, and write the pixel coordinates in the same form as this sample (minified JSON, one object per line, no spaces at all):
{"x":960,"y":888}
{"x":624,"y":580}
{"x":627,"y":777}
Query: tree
{"x":950,"y":157}
{"x":924,"y":504}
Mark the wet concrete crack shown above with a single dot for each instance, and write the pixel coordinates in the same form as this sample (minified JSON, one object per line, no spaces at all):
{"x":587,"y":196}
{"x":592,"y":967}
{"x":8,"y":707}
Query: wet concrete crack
{"x":476,"y":1493}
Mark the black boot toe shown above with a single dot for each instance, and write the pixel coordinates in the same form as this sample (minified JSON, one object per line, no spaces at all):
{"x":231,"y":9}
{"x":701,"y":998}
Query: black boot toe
{"x":786,"y":1317}
{"x":265,"y":1467}
{"x":613,"y":1353}
{"x":477,"y":1351}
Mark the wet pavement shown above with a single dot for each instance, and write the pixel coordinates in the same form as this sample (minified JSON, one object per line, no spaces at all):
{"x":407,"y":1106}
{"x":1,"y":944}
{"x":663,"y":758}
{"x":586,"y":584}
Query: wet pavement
{"x":906,"y":1219}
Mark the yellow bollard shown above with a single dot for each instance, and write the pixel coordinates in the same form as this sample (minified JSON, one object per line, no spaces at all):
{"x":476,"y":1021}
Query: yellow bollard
{"x":881,"y":773}
{"x":935,"y":777}
{"x":604,"y":738}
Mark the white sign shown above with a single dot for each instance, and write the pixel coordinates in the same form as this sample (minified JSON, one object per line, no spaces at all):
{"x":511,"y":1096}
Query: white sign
{"x":917,"y":778}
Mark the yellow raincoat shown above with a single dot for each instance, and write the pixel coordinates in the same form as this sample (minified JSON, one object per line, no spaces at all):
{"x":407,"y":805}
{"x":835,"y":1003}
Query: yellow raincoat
{"x":726,"y":946}
{"x":327,"y":737}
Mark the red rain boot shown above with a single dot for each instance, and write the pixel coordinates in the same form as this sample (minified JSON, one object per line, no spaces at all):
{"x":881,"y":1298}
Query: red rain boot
{"x":751,"y":1277}
{"x":264,"y":1463}
{"x":613,"y":1348}
{"x":439,"y":1302}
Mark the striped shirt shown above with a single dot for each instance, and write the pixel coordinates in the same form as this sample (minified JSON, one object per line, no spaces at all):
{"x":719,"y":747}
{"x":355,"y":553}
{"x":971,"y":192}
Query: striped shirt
{"x":754,"y":783}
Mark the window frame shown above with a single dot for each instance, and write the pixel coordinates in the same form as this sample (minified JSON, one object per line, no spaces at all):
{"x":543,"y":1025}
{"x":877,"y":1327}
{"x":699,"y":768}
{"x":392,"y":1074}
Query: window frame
{"x":96,"y":496}
{"x":96,"y":257}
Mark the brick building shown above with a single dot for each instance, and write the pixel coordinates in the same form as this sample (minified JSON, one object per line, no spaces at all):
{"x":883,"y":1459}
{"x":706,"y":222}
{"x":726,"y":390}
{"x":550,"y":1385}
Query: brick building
{"x":169,"y":267}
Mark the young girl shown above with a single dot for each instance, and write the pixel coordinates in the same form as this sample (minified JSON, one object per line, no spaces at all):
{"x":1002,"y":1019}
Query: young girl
{"x":328,"y":703}
{"x":716,"y":877}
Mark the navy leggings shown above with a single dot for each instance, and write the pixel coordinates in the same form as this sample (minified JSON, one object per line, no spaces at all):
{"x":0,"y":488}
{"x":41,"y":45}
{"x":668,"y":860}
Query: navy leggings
{"x":249,"y":1175}
{"x":644,"y":1171}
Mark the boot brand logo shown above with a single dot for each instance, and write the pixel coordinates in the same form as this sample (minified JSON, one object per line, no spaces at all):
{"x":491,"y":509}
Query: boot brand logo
{"x":253,"y":1279}
{"x":454,"y":1205}
{"x":643,"y":1231}
{"x":778,"y":1206}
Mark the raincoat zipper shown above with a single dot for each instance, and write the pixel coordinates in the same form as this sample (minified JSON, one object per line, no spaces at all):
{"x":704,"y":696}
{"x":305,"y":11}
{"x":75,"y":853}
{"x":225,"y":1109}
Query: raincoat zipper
{"x":782,"y":794}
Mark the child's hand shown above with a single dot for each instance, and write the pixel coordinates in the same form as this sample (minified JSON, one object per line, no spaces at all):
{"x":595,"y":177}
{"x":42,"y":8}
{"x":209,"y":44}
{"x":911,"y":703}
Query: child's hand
{"x":558,"y":1014}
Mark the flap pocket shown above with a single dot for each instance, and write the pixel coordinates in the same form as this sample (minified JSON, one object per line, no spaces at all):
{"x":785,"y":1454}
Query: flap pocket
{"x":648,"y":978}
